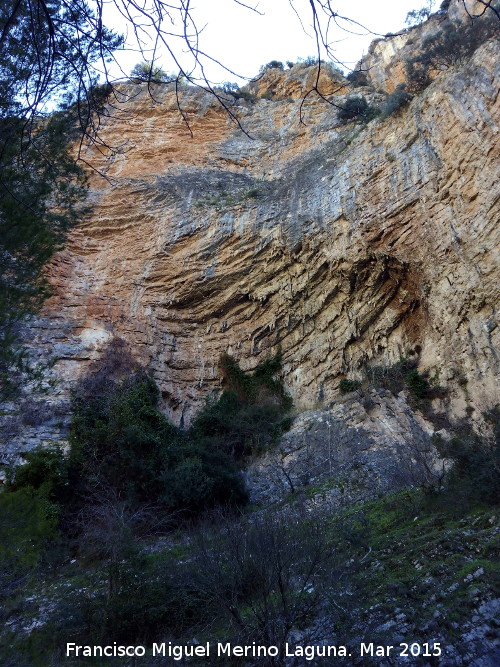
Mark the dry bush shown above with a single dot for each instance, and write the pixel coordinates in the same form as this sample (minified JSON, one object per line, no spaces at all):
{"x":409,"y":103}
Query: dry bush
{"x":266,"y":574}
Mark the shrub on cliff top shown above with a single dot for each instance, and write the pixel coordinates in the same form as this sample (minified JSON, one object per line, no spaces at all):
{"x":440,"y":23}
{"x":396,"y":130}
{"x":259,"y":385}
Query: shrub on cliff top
{"x":310,"y":61}
{"x":417,"y":16}
{"x":274,"y":64}
{"x":148,"y":72}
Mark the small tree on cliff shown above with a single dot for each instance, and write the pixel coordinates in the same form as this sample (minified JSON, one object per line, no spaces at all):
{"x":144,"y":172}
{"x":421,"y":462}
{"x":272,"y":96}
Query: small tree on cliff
{"x":149,"y":72}
{"x":417,"y":16}
{"x":449,"y":46}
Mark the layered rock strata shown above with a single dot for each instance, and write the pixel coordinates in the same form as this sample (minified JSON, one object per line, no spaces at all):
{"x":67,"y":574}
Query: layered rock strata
{"x":343,"y":245}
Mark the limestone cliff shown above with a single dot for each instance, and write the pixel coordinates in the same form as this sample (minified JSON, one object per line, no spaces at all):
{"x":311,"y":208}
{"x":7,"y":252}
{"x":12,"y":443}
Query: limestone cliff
{"x":344,"y":245}
{"x":384,"y":64}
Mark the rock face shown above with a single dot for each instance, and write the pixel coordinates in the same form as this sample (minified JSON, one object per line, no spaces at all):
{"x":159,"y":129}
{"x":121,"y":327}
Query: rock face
{"x":343,"y":245}
{"x":384,"y":64}
{"x":352,"y":452}
{"x":298,"y":81}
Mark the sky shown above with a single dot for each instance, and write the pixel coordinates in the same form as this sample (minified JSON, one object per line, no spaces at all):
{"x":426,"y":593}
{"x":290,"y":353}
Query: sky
{"x":244,"y":40}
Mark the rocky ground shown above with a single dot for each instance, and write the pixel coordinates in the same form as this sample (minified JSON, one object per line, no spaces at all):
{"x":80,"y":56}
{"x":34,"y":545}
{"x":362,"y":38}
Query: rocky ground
{"x":408,"y":570}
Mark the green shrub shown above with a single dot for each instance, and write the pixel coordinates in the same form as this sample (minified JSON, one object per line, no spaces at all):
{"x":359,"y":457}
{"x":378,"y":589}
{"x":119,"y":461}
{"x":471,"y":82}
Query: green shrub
{"x":203,"y":474}
{"x":390,"y":377}
{"x":121,"y":441}
{"x":274,"y":64}
{"x":125,"y":455}
{"x":399,"y":376}
{"x":404,"y":375}
{"x":149,"y":72}
{"x":453,"y":44}
{"x":346,"y":386}
{"x":245,"y":95}
{"x":28,"y":530}
{"x":30,"y":517}
{"x":258,"y":387}
{"x":119,"y":438}
{"x":356,"y":108}
{"x":417,"y":384}
{"x":358,"y":78}
{"x":396,"y":101}
{"x":46,"y":472}
{"x":251,"y":412}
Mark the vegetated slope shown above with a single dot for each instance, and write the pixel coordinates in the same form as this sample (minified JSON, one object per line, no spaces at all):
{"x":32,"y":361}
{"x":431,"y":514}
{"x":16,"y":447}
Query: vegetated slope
{"x":402,"y":571}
